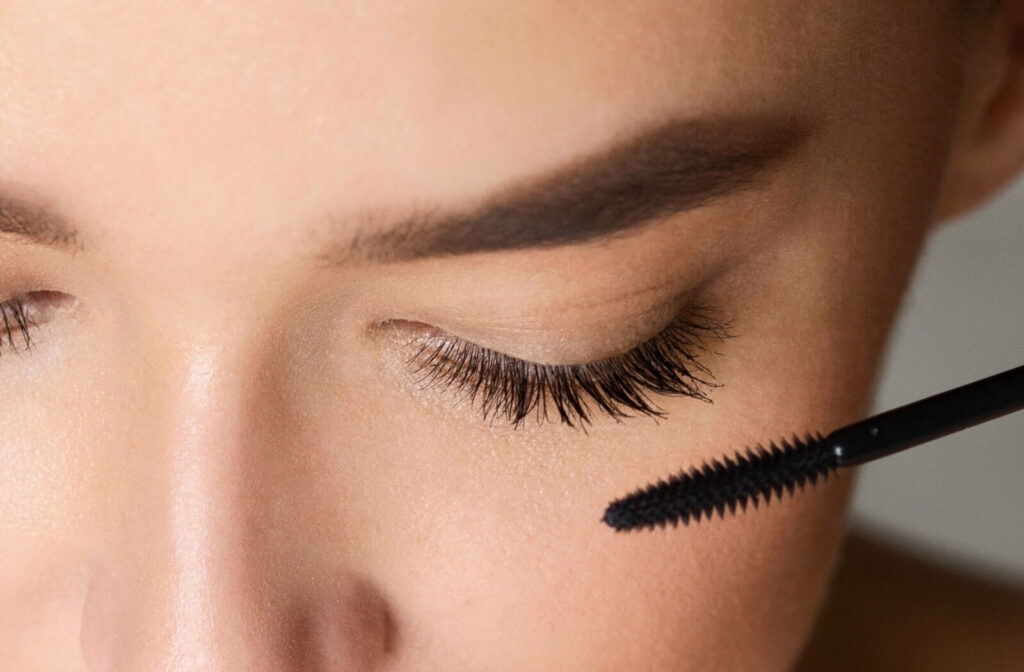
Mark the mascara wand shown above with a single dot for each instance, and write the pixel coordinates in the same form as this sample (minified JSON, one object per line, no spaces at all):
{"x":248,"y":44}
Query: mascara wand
{"x":755,"y":475}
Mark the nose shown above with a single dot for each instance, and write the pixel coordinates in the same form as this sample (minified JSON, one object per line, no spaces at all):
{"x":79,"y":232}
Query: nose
{"x":206,"y":579}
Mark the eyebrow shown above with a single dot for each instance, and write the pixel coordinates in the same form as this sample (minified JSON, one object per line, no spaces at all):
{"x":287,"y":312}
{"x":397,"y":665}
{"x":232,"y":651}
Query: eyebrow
{"x":27,"y":222}
{"x":677,"y":166}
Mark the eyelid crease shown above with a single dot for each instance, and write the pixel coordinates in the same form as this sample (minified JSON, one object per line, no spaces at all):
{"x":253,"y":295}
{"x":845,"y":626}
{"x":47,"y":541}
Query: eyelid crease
{"x":511,"y":388}
{"x":651,"y":304}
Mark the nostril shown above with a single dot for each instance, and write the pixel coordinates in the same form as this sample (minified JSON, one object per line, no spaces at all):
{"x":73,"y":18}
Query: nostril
{"x":354,"y":628}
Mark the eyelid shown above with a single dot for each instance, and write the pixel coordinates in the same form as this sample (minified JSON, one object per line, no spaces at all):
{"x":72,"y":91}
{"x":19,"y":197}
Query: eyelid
{"x":619,"y":386}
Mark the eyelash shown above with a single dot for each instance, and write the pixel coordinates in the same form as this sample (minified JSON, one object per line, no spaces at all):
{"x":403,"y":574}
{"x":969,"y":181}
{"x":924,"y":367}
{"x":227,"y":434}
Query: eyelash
{"x":512,"y":389}
{"x":14,"y":318}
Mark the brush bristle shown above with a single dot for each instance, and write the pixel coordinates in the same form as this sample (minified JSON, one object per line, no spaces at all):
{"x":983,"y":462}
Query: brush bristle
{"x":721,"y":486}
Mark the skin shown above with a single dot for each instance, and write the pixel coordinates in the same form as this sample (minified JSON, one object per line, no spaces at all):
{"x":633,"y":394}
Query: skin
{"x":212,"y":460}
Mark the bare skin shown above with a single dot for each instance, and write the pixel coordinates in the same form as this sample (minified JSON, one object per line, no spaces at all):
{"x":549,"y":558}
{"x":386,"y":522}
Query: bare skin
{"x":215,"y":456}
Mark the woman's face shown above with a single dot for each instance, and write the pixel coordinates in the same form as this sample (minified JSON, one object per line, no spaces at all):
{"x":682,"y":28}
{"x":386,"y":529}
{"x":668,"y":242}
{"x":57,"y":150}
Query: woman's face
{"x":216,"y":454}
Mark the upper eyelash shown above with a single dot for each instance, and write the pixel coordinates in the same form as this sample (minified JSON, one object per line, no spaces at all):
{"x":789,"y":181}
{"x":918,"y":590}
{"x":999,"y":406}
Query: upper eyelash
{"x":512,"y":388}
{"x":13,"y":317}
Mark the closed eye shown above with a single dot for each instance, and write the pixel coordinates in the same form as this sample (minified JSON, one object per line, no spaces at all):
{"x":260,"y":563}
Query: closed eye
{"x":511,"y":389}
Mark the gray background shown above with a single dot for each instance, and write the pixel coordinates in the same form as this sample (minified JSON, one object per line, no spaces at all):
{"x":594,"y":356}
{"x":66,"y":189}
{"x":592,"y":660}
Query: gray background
{"x":962,"y":319}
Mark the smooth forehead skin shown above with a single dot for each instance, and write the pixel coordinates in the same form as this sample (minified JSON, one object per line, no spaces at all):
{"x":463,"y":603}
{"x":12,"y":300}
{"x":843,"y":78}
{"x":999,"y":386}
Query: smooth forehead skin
{"x":211,"y":461}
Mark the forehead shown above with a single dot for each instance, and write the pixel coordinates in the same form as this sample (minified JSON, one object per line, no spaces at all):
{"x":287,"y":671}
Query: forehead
{"x":281,"y":107}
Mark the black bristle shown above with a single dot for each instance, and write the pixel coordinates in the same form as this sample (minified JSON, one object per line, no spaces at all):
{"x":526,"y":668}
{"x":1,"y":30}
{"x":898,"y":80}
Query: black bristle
{"x":747,"y":478}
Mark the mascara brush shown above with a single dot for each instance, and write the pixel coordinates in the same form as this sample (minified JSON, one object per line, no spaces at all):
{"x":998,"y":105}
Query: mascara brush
{"x":759,"y":473}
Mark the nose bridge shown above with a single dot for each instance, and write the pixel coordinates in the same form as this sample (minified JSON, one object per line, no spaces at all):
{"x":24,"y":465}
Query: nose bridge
{"x":197,"y":583}
{"x":201,"y":603}
{"x":208,"y":576}
{"x":205,"y":512}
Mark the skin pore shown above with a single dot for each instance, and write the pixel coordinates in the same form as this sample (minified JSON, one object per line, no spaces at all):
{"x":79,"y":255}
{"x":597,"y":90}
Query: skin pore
{"x":214,"y":457}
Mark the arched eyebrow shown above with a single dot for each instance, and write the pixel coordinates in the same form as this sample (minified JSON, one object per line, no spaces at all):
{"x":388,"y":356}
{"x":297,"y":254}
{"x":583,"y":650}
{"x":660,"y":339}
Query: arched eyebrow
{"x":677,"y":166}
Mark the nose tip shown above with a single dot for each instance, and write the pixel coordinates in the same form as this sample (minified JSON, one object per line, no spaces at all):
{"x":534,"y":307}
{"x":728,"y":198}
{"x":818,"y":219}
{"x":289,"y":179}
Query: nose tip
{"x":346,"y":627}
{"x":353,"y":629}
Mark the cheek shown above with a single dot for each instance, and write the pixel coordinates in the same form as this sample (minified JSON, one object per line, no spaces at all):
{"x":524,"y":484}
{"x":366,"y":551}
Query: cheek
{"x":532,"y":578}
{"x":490,"y":548}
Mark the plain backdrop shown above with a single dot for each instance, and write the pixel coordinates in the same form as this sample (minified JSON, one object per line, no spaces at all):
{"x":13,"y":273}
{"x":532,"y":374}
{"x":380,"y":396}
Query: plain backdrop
{"x":962,"y":319}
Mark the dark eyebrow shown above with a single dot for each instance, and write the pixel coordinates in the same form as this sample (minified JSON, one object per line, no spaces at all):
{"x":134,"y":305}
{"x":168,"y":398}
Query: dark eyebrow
{"x":28,"y":222}
{"x":677,"y":166}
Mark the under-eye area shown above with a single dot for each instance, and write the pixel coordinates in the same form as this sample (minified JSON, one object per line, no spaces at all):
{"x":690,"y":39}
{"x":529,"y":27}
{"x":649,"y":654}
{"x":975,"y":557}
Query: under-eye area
{"x":510,"y":389}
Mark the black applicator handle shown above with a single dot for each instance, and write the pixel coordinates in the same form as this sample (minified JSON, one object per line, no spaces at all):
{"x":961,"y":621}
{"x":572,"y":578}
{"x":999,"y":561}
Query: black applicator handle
{"x":928,"y":419}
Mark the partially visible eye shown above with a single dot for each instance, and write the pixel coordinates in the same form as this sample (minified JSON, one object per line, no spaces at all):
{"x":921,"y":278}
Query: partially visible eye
{"x":512,"y":389}
{"x":20,"y":316}
{"x":15,"y":320}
